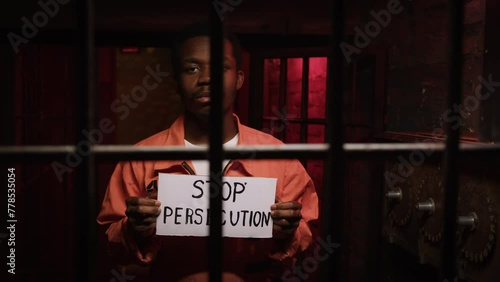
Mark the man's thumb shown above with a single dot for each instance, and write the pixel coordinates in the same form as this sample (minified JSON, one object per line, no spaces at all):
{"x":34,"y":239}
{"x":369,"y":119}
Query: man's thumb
{"x":152,"y":190}
{"x":153,"y":195}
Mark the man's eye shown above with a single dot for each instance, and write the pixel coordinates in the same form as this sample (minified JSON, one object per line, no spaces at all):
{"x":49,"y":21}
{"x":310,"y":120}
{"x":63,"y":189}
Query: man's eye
{"x":191,"y":69}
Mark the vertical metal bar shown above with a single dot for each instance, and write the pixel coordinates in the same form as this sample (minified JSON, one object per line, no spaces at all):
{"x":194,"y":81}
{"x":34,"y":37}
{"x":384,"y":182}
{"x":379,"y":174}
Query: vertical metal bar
{"x":215,"y":248}
{"x":85,"y":175}
{"x":448,"y":258}
{"x":283,"y":91}
{"x":304,"y":114}
{"x":333,"y":207}
{"x":256,"y":100}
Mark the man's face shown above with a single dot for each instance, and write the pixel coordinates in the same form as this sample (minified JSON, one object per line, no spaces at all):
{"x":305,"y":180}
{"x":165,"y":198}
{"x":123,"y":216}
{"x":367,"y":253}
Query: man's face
{"x":194,"y":79}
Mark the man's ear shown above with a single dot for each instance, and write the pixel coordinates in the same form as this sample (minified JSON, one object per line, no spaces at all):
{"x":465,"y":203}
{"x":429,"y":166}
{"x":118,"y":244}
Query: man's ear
{"x":240,"y":79}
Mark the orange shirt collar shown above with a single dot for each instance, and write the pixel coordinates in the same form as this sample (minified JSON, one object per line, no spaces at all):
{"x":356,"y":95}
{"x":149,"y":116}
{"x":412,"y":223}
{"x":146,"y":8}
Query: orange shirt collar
{"x":175,"y":137}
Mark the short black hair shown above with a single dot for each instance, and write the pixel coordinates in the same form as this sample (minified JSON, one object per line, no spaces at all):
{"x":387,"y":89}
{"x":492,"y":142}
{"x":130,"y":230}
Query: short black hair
{"x":201,"y":29}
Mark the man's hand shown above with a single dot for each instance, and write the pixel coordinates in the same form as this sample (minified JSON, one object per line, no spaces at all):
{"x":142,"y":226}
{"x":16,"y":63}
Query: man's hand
{"x":142,"y":214}
{"x":286,"y":217}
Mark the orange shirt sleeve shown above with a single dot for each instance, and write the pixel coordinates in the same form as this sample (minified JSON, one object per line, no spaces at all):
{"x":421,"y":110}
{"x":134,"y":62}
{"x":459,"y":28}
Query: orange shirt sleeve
{"x":299,"y":187}
{"x":126,"y":181}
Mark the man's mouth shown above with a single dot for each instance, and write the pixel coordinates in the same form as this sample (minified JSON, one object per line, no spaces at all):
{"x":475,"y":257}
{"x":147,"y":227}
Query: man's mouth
{"x":203,"y":97}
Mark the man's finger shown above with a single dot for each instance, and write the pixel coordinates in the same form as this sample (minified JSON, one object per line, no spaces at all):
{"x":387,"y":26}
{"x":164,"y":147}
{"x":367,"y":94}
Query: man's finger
{"x":145,"y":227}
{"x":283,"y":222}
{"x":137,"y":201}
{"x":284,"y":229}
{"x":286,"y":206}
{"x":150,"y":219}
{"x":144,"y":221}
{"x":291,"y":213}
{"x":142,"y":210}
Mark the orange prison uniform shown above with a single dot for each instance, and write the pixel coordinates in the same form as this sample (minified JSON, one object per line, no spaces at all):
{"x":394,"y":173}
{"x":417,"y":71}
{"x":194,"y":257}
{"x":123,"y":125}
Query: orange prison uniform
{"x":172,"y":258}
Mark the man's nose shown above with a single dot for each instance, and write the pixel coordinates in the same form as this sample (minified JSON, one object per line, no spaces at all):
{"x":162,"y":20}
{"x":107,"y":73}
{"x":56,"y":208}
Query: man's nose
{"x":204,"y":76}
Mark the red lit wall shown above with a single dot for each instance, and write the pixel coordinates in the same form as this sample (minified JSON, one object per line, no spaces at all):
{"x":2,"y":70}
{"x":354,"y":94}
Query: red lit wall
{"x":283,"y":95}
{"x":291,"y":104}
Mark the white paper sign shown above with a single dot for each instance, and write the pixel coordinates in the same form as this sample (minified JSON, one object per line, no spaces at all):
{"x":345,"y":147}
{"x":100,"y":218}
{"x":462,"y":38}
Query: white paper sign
{"x":185,"y":201}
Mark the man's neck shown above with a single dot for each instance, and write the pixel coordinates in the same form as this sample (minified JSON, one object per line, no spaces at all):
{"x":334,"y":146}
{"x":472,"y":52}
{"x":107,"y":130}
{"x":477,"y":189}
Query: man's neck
{"x":196,"y":128}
